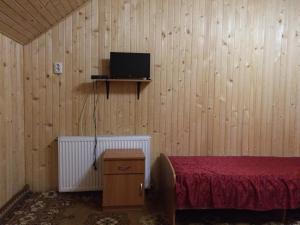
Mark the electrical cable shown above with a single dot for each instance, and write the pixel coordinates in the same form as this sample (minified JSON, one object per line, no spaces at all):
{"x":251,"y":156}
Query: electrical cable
{"x":95,"y":124}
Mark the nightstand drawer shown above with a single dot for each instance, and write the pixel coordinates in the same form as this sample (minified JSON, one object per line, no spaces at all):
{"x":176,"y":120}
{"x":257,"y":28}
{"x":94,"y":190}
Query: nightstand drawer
{"x":123,"y":166}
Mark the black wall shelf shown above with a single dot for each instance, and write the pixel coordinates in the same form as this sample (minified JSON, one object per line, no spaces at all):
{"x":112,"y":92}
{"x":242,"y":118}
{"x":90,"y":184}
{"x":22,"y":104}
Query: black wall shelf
{"x":108,"y":80}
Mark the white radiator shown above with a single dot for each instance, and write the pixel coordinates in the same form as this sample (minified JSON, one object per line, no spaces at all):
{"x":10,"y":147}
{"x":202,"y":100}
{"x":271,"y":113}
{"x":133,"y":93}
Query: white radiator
{"x":76,"y":158}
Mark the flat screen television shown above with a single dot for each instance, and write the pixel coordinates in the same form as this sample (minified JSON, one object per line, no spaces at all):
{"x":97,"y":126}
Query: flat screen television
{"x":127,"y":65}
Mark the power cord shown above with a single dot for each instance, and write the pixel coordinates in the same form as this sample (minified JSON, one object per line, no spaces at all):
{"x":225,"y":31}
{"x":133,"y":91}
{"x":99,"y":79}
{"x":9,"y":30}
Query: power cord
{"x":95,"y":124}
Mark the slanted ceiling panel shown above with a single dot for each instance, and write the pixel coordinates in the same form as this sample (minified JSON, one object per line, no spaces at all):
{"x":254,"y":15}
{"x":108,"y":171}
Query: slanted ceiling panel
{"x":23,"y":20}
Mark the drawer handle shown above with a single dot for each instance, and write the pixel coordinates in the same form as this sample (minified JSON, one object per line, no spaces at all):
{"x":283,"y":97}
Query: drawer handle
{"x":141,"y":189}
{"x":124,"y":168}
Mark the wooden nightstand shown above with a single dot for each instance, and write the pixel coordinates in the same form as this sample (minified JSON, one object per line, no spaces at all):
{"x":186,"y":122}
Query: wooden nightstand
{"x":123,"y":178}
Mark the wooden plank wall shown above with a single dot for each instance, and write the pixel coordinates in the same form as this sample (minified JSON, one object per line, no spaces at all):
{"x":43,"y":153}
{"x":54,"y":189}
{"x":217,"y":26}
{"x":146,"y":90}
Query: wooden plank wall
{"x":226,"y":79}
{"x":12,"y":159}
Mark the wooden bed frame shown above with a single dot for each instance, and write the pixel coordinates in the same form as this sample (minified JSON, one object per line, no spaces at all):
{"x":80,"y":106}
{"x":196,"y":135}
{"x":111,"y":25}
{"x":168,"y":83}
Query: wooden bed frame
{"x":167,"y":188}
{"x":167,"y":182}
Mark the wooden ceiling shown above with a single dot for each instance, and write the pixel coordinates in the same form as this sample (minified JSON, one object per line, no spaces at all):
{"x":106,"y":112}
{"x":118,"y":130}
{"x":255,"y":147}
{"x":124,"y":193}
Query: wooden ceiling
{"x":23,"y":20}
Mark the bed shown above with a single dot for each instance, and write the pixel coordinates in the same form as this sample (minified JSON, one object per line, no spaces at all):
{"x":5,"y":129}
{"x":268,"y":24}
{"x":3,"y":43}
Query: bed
{"x":225,"y":182}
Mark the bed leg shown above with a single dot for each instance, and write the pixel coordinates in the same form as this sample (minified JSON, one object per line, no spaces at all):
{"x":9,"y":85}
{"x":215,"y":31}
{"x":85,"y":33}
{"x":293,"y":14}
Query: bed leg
{"x":171,"y":217}
{"x":167,"y":189}
{"x":172,"y":220}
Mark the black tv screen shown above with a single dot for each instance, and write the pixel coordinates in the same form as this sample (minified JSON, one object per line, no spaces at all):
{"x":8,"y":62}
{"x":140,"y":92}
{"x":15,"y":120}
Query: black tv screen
{"x":130,"y":65}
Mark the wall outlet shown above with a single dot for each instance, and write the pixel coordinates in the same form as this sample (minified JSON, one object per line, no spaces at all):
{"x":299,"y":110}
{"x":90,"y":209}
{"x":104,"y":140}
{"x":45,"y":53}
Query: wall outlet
{"x":58,"y":68}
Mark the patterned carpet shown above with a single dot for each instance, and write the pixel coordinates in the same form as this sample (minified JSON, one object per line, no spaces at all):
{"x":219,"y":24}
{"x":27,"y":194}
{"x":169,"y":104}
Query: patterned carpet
{"x":52,"y":208}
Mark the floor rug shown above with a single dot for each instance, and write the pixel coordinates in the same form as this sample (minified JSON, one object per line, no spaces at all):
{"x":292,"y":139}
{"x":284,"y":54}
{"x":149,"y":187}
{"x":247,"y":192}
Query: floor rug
{"x":52,"y":208}
{"x":152,"y":219}
{"x":107,"y":219}
{"x":38,"y":209}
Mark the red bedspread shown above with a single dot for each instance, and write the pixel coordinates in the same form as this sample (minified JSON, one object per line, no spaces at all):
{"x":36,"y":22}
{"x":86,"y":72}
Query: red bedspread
{"x":256,"y":183}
